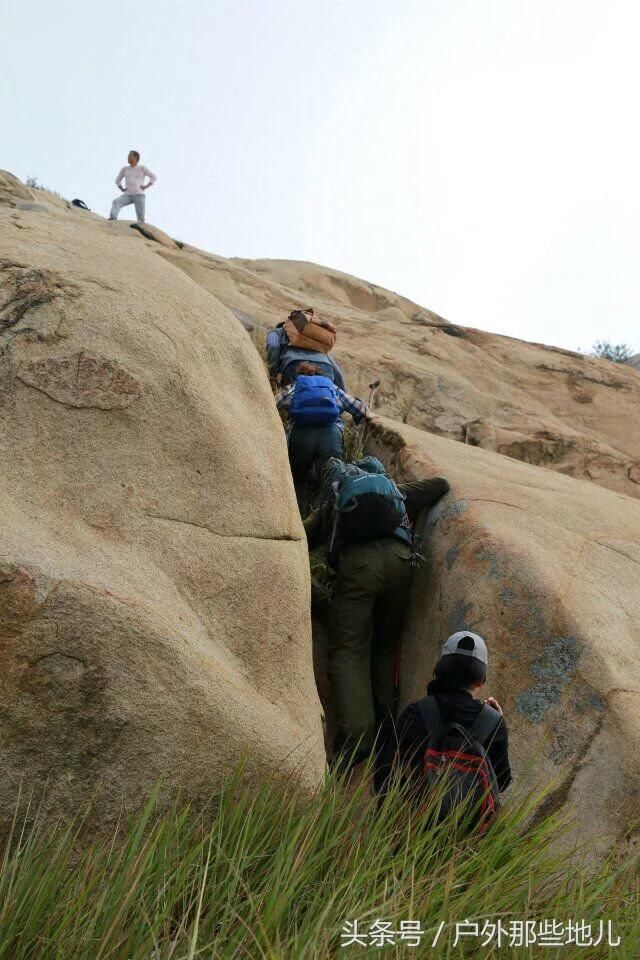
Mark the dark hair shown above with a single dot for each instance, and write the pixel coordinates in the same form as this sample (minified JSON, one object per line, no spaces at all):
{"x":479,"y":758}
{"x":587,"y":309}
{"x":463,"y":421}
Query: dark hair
{"x":455,"y":672}
{"x":306,"y":312}
{"x":135,"y":153}
{"x":306,"y":369}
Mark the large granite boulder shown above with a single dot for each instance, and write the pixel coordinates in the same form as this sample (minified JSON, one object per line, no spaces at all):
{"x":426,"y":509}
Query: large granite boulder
{"x":154,"y":584}
{"x":549,"y":407}
{"x":154,"y":590}
{"x":546,"y":568}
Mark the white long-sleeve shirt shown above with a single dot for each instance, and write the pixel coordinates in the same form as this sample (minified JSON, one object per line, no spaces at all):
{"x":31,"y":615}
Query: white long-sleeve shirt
{"x":134,"y":178}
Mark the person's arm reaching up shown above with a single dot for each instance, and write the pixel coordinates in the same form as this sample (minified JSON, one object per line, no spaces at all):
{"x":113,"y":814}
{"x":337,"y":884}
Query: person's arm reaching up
{"x":354,"y":406}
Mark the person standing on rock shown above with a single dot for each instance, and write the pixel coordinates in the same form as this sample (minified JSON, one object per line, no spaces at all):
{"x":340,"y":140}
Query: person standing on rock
{"x":368,"y":523}
{"x":134,"y":175}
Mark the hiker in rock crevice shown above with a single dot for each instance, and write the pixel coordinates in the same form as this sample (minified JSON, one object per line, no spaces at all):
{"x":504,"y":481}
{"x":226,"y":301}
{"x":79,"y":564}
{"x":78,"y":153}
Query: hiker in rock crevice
{"x":368,"y":522}
{"x":298,"y":339}
{"x":314,"y":406}
{"x":134,"y":176}
{"x":452,"y":718}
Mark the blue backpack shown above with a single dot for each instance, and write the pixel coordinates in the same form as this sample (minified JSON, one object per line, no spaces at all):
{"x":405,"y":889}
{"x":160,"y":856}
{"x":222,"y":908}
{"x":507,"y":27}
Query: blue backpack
{"x":368,"y":504}
{"x":314,"y":402}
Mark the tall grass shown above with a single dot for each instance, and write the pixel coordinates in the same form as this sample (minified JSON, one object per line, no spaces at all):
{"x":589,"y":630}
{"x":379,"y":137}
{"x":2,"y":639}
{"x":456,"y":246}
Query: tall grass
{"x":354,"y":441}
{"x":266,"y":876}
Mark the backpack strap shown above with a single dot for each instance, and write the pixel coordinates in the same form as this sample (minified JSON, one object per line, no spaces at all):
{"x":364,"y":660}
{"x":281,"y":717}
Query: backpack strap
{"x":485,"y":724}
{"x":335,"y":487}
{"x":431,"y":717}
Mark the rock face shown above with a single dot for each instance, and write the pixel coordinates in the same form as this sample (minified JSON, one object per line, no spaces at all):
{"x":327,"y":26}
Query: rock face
{"x":552,"y":408}
{"x":152,"y":233}
{"x":154,"y":593}
{"x":546,"y":568}
{"x":548,"y":407}
{"x":12,"y":191}
{"x":154,"y":588}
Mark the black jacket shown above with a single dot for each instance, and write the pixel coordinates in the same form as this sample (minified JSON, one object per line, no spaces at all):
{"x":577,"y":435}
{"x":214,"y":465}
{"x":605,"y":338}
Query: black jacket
{"x":459,"y":707}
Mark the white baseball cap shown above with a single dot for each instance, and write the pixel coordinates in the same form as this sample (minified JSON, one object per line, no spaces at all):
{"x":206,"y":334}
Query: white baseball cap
{"x":478,"y":651}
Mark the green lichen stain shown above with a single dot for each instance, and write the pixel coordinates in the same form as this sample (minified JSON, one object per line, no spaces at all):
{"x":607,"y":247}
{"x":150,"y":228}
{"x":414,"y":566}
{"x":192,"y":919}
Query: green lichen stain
{"x":563,"y":748}
{"x":536,"y":623}
{"x":555,"y":668}
{"x":559,"y":660}
{"x":494,"y":572}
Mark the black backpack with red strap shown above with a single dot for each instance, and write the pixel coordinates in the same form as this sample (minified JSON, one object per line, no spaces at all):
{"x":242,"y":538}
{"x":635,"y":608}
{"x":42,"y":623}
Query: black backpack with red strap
{"x":456,"y":762}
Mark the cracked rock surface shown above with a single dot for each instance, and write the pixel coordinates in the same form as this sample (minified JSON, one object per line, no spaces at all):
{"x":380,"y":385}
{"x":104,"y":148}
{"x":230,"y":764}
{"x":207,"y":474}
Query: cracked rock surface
{"x":154,"y":591}
{"x":549,"y":407}
{"x":553,"y":585}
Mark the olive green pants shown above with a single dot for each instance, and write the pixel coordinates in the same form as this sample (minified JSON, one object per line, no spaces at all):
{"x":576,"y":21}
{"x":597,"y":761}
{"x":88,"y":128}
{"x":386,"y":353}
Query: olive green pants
{"x":369,"y":606}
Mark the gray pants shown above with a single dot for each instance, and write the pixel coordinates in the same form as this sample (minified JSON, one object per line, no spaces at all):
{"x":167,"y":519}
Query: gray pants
{"x":124,"y":200}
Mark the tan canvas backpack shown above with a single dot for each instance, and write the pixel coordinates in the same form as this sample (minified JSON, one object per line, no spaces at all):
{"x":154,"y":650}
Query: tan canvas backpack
{"x":305,"y":332}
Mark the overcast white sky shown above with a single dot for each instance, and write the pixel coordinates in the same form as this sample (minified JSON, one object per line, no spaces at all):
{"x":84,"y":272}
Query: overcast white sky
{"x":478,"y":156}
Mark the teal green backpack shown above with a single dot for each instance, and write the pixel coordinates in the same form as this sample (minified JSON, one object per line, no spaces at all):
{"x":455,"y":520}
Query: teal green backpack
{"x":368,"y":505}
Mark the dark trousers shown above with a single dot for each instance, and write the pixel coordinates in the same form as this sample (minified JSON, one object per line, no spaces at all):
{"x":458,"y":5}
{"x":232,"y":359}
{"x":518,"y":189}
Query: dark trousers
{"x":311,"y":447}
{"x":369,"y":606}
